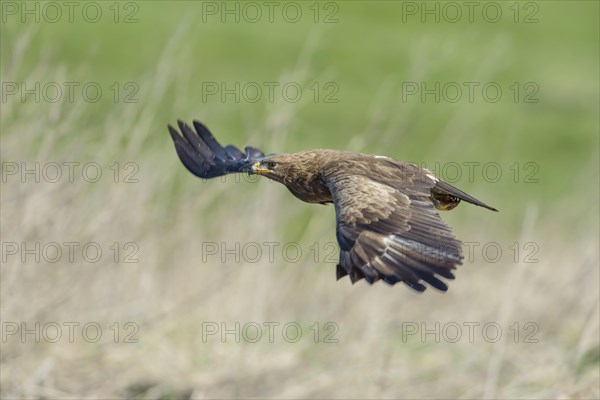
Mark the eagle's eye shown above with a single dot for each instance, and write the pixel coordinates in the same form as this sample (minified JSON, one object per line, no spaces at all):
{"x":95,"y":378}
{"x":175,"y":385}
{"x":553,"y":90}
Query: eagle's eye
{"x":271,"y":164}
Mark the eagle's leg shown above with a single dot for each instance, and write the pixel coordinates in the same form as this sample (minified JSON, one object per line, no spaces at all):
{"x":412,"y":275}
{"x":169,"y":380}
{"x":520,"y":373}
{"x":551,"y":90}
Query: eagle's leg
{"x":444,"y":201}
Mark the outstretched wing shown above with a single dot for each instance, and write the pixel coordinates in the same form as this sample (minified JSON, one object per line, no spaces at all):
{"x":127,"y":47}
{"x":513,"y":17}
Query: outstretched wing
{"x":203,"y":156}
{"x":388,"y":228}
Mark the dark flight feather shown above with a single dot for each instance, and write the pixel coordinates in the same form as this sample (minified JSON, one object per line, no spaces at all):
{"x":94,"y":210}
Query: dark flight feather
{"x":203,"y":156}
{"x":408,"y":242}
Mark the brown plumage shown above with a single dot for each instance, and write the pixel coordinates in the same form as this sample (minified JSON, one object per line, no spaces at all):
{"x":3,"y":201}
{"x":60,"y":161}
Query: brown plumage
{"x":387,"y":224}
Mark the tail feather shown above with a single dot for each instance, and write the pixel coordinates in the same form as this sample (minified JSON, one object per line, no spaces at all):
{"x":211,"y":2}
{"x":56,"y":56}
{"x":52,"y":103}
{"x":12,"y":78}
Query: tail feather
{"x":447,"y":189}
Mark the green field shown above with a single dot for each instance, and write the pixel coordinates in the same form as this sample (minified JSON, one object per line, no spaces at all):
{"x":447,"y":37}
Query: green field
{"x":502,"y":100}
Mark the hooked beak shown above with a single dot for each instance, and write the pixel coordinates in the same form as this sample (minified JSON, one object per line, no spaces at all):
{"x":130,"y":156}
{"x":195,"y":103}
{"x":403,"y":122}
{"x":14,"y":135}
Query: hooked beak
{"x":257,"y":169}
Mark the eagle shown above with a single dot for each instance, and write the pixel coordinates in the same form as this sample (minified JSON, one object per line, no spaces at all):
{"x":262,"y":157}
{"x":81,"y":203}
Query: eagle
{"x":388,"y":225}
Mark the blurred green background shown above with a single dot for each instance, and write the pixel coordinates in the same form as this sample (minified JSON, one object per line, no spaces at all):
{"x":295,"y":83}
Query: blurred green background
{"x":364,"y":55}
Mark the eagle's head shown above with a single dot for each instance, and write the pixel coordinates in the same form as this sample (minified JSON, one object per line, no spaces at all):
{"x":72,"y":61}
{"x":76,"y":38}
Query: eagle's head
{"x":291,"y":168}
{"x":299,"y":172}
{"x":282,"y":168}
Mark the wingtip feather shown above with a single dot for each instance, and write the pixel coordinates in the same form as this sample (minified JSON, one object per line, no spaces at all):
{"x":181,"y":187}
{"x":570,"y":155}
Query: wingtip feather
{"x":202,"y":154}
